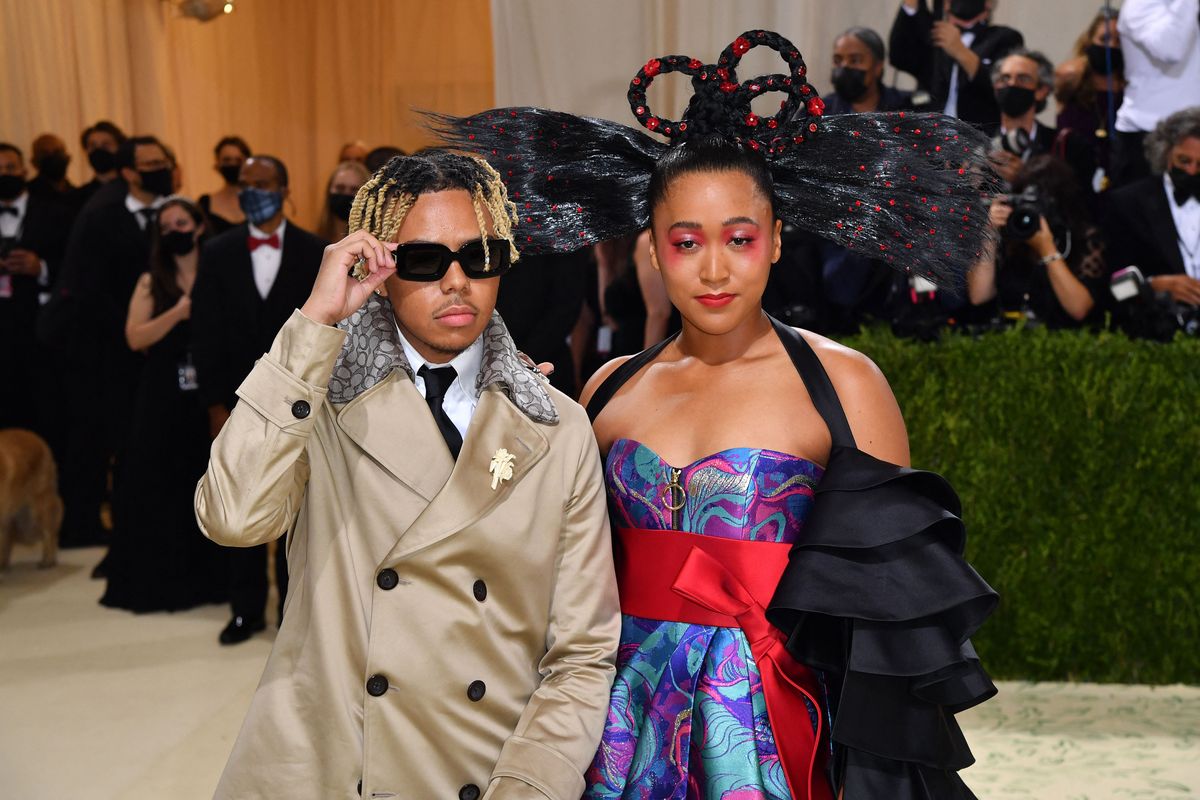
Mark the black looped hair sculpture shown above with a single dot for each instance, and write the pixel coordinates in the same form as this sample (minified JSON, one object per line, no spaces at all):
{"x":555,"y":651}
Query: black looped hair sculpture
{"x":905,"y":188}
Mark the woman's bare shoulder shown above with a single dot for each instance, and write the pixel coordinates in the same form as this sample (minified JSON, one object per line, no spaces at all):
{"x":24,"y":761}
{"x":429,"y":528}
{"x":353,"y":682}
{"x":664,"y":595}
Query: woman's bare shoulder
{"x":866,"y":397}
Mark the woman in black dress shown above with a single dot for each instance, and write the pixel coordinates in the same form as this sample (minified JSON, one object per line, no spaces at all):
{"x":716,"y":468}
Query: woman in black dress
{"x":221,"y":207}
{"x":159,"y":560}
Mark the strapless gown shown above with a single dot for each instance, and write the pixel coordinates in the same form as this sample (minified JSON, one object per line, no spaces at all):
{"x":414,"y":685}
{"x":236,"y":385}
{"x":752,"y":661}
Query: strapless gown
{"x":688,"y":717}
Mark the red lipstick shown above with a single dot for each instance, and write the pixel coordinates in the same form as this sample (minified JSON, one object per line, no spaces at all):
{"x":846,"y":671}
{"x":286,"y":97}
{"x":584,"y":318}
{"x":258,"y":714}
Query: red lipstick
{"x":716,"y":300}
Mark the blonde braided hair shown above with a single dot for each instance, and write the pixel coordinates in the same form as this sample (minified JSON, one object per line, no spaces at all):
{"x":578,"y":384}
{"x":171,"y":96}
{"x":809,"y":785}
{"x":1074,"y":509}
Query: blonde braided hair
{"x":383,"y":202}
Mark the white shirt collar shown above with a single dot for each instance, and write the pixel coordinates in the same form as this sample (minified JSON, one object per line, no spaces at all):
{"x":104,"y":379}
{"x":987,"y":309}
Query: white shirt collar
{"x":134,"y":205}
{"x":1032,"y":131}
{"x":21,"y":203}
{"x":260,"y":234}
{"x":466,"y":364}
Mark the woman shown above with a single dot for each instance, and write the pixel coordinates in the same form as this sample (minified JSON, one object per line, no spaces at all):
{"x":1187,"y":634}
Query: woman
{"x":734,"y":475}
{"x":159,"y":560}
{"x":1089,"y":88}
{"x":1058,"y":275}
{"x":221,"y":207}
{"x":339,"y":196}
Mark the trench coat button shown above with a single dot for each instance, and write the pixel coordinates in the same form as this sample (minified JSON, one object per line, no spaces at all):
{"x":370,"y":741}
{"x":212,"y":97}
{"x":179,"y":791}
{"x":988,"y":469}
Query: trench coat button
{"x":480,"y":591}
{"x":301,"y":409}
{"x":469,"y":792}
{"x":476,"y":691}
{"x":377,"y":685}
{"x":387,"y":579}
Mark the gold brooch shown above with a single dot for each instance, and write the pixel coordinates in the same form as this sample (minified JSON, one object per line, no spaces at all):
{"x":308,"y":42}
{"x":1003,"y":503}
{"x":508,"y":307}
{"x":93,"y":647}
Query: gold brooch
{"x":501,"y":467}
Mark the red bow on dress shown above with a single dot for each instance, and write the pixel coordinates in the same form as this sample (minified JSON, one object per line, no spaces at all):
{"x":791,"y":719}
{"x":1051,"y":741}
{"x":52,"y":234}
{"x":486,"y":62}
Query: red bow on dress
{"x":253,"y":242}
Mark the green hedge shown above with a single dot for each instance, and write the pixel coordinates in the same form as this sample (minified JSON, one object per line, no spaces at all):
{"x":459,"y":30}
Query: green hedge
{"x":1077,"y":457}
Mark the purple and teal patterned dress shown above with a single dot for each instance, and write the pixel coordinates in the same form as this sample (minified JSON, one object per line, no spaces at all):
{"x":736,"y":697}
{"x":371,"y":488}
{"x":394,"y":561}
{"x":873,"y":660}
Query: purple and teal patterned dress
{"x":688,"y":718}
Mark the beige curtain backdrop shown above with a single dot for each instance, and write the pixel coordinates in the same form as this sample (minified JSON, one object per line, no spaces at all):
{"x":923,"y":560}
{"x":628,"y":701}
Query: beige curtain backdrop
{"x":578,"y":55}
{"x":295,"y":78}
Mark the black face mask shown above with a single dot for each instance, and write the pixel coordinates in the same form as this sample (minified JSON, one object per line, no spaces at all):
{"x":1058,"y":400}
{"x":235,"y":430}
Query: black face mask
{"x":158,"y":182}
{"x":230,"y":173}
{"x":967,"y":9}
{"x":54,"y":166}
{"x":102,"y":160}
{"x":1015,"y":100}
{"x":849,"y":83}
{"x":339,"y":205}
{"x":179,"y":243}
{"x":1185,"y":185}
{"x":1097,"y":56}
{"x":11,"y":186}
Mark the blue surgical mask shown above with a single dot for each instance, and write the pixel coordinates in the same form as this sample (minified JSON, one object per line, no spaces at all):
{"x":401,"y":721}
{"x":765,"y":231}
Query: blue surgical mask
{"x":259,"y":205}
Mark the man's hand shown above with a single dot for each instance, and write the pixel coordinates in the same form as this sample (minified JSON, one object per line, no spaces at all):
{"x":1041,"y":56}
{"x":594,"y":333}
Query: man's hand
{"x":1182,"y":288}
{"x":1007,"y":165}
{"x":23,"y":262}
{"x":1042,"y":242}
{"x":336,"y":294}
{"x":948,"y":36}
{"x":999,"y":212}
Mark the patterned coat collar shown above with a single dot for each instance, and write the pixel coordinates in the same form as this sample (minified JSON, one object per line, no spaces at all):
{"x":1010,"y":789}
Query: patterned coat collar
{"x":373,"y":351}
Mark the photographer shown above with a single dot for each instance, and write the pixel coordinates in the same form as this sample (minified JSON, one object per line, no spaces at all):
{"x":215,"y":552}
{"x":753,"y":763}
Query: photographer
{"x":1022,"y":81}
{"x":1154,"y":223}
{"x":950,"y":51}
{"x":1049,"y":264}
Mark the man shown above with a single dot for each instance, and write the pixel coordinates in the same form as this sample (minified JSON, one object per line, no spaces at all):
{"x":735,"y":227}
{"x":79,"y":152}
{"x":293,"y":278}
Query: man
{"x":1160,"y":40}
{"x":101,"y":142}
{"x":1023,"y":80}
{"x":1154,"y":223}
{"x":107,"y":250}
{"x":32,"y":233}
{"x":50,"y":158}
{"x":454,"y":619}
{"x":952,"y":58}
{"x":857,"y":79}
{"x":249,"y":281}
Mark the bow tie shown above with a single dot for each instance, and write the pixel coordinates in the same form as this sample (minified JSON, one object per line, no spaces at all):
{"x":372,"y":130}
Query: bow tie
{"x":1186,"y":189}
{"x":254,"y":242}
{"x":10,"y":210}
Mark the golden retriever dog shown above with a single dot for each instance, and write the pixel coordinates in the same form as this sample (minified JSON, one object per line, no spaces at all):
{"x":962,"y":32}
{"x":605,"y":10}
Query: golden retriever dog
{"x":30,"y":508}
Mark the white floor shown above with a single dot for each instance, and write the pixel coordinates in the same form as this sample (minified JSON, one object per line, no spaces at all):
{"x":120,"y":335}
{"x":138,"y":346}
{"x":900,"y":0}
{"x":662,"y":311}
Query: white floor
{"x":99,"y":704}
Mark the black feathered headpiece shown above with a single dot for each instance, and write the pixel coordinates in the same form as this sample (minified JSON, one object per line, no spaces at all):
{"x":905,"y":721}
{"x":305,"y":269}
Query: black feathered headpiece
{"x":905,"y":188}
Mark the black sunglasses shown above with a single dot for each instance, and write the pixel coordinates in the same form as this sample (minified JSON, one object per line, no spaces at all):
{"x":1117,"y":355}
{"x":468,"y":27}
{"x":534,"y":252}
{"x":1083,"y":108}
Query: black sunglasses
{"x":429,"y":261}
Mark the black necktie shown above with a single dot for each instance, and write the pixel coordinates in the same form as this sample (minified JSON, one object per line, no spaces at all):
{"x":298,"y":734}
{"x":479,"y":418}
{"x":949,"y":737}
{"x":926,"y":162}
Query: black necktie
{"x":437,"y":383}
{"x":147,"y":216}
{"x":9,"y":210}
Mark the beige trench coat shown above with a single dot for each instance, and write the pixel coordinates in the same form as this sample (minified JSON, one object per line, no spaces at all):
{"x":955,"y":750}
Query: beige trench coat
{"x":441,"y":639}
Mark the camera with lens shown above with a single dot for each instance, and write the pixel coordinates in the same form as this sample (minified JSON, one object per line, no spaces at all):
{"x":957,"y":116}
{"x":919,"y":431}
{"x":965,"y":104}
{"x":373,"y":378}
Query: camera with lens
{"x":1028,"y":208}
{"x":1145,"y":314}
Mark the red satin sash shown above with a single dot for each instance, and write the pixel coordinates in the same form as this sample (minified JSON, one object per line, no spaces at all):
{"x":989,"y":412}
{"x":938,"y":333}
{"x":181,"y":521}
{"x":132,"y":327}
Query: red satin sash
{"x":705,"y":580}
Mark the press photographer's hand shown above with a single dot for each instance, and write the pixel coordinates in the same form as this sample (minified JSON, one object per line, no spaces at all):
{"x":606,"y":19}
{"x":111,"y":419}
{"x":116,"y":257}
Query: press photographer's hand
{"x":336,"y":293}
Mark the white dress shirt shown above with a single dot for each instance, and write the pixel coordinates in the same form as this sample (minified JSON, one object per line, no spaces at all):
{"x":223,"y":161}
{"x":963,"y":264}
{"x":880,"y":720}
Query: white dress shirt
{"x":460,"y":400}
{"x":136,"y":206}
{"x":11,"y":227}
{"x":1187,"y":227}
{"x":266,"y":259}
{"x":1161,"y":43}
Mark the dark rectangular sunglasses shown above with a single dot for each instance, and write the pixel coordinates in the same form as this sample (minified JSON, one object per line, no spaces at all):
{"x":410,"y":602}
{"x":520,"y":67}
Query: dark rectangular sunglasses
{"x":428,"y":261}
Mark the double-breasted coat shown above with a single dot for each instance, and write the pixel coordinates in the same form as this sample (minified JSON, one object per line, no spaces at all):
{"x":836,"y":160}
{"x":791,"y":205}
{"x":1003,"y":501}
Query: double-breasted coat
{"x":442,"y":638}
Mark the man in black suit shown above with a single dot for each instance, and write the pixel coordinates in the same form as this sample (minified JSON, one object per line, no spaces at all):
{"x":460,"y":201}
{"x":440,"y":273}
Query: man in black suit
{"x":1154,"y":223}
{"x":32,"y":233}
{"x":107,"y":250}
{"x":858,"y":61}
{"x":101,"y":142}
{"x":250,"y":280}
{"x":952,"y":58}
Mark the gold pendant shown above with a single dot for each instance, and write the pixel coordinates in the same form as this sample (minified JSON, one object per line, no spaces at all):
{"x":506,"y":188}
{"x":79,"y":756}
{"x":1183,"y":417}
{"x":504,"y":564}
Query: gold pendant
{"x":501,"y":467}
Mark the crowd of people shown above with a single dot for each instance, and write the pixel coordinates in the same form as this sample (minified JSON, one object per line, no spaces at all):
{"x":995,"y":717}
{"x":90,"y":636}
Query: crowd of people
{"x":169,"y":301}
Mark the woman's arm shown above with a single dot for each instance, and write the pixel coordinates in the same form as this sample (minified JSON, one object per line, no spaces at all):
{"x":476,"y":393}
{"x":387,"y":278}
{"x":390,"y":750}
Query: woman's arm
{"x":143,"y":330}
{"x":1072,"y":295}
{"x":654,"y":294}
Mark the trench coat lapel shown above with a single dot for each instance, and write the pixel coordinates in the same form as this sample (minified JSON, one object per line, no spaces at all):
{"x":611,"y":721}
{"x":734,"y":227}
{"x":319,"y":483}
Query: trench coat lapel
{"x":468,"y":494}
{"x":392,"y":423}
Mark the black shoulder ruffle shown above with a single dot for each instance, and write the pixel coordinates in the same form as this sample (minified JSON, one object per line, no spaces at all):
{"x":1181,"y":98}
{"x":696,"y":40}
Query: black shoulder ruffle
{"x":878,"y":596}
